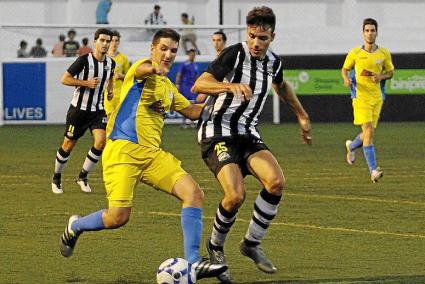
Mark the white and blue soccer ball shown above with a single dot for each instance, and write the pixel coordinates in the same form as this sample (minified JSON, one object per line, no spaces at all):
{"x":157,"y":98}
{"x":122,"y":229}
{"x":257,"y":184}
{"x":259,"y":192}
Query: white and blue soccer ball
{"x":176,"y":271}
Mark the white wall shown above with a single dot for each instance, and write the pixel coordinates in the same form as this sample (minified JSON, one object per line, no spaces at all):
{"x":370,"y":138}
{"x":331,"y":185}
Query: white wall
{"x":303,"y":26}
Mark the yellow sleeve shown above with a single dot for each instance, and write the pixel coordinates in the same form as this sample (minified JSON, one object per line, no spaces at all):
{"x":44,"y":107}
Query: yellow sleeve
{"x":388,"y":64}
{"x":349,"y":60}
{"x":179,"y":101}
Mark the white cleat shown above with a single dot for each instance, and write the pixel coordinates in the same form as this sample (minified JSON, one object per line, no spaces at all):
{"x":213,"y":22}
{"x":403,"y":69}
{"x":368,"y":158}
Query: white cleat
{"x":57,"y":188}
{"x":351,"y":155}
{"x":84,"y":185}
{"x":376,"y":174}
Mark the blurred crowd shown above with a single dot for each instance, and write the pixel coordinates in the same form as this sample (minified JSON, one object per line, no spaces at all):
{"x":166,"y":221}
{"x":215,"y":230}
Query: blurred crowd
{"x":70,"y":47}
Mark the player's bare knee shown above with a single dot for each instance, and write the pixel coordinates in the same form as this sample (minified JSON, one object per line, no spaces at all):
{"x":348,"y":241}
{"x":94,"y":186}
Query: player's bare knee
{"x":275,"y":186}
{"x":234,"y":200}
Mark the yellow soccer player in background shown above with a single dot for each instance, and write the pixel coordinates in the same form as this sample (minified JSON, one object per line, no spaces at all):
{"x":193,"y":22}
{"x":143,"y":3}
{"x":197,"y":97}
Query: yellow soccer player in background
{"x":372,"y":66}
{"x":121,"y":68}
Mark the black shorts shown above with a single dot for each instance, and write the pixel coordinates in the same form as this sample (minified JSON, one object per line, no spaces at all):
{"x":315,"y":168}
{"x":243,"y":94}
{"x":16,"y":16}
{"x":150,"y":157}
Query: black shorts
{"x":217,"y":152}
{"x":78,"y":121}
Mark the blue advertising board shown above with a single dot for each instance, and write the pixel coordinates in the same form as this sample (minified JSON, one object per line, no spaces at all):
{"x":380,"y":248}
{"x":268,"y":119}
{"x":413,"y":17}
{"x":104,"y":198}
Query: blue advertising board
{"x":24,"y":91}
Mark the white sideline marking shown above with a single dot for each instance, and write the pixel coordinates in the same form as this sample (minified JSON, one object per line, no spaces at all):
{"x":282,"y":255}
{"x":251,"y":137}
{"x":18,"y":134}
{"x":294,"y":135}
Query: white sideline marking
{"x":305,"y":226}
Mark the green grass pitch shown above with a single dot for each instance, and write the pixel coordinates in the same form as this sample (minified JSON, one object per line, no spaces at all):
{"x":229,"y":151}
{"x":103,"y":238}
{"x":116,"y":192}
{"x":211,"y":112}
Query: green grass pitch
{"x":333,"y":225}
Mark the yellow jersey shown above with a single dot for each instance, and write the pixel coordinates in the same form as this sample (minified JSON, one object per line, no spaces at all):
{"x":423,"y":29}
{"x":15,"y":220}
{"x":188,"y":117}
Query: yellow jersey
{"x":366,"y":64}
{"x":139,"y":117}
{"x":122,"y":66}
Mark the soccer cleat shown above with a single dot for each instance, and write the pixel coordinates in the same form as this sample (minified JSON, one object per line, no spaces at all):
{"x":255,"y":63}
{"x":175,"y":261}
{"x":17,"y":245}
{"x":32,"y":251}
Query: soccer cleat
{"x":205,"y":269}
{"x":351,"y":155}
{"x":218,"y":257}
{"x":84,"y":184}
{"x":257,"y":254}
{"x":376,"y":174}
{"x":68,"y":238}
{"x":57,"y":186}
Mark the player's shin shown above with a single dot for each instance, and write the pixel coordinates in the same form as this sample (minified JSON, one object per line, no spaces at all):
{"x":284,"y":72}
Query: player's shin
{"x":191,"y":222}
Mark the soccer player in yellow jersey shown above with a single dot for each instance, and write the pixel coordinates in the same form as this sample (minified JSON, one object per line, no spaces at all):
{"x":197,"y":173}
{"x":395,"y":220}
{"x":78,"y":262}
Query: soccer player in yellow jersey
{"x":372,"y":66}
{"x":133,"y":154}
{"x":121,"y":68}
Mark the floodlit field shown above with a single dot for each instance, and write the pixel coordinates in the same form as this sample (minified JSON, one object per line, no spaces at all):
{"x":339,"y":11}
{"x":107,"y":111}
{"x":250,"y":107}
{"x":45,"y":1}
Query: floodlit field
{"x":333,"y":225}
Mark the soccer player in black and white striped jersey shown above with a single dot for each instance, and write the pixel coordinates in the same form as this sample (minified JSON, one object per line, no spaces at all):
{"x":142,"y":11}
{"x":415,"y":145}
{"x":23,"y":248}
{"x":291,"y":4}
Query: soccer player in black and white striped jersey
{"x":230,"y":142}
{"x":90,"y":74}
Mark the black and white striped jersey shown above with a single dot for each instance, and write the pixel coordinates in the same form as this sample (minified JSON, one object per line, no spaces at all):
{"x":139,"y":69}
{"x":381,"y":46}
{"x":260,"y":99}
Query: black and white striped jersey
{"x":225,"y":115}
{"x":85,"y":67}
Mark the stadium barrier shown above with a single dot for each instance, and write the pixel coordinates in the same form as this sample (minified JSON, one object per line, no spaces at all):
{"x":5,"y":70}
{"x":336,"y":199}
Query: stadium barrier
{"x":32,"y":92}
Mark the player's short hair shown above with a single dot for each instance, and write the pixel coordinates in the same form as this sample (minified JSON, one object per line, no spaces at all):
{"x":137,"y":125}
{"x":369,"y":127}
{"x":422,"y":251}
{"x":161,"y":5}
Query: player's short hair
{"x":223,"y":35}
{"x":370,"y":21}
{"x":117,"y":34}
{"x":103,"y":31}
{"x":261,"y":16}
{"x":23,"y":43}
{"x":85,"y":41}
{"x":165,"y":33}
{"x":185,"y":15}
{"x":156,"y":7}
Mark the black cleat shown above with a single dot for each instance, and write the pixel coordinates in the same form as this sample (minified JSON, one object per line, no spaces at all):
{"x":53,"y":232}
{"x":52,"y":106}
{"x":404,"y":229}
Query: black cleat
{"x":205,"y":269}
{"x":68,"y":239}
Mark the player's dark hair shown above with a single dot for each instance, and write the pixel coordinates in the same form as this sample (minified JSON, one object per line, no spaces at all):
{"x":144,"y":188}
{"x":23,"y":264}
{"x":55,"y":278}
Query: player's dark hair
{"x":223,"y":35}
{"x":39,"y":41}
{"x":117,"y":34}
{"x":23,"y":44}
{"x":262,"y":16}
{"x":85,"y":41}
{"x":370,"y":21}
{"x":185,"y":15}
{"x":156,"y":7}
{"x":71,"y":31}
{"x":103,"y":31}
{"x":165,"y":33}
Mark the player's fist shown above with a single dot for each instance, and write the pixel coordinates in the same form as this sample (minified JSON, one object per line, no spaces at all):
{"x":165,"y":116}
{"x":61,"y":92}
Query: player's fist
{"x":348,"y":82}
{"x":305,"y":131}
{"x":242,"y":91}
{"x":93,"y":82}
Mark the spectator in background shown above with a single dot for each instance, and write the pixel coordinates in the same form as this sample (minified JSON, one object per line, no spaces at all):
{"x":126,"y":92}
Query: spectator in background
{"x":102,"y":10}
{"x":185,"y":78}
{"x":71,"y":46}
{"x":38,"y":50}
{"x":57,"y":50}
{"x":84,"y":48}
{"x":155,"y":18}
{"x":22,"y":51}
{"x":188,"y":35}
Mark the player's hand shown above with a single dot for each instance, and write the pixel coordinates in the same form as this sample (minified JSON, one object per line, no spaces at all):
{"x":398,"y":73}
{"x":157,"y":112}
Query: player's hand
{"x":348,"y":82}
{"x":305,"y":131}
{"x":159,"y":70}
{"x":110,"y":95}
{"x":242,"y":91}
{"x":93,"y":82}
{"x":377,"y":78}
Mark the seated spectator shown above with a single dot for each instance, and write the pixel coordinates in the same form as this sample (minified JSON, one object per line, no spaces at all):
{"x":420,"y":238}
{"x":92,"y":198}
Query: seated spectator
{"x":38,"y":50}
{"x":102,"y":10}
{"x":71,"y":46}
{"x":188,"y":35}
{"x":84,"y":49}
{"x":57,"y":50}
{"x":155,"y":18}
{"x":22,"y":51}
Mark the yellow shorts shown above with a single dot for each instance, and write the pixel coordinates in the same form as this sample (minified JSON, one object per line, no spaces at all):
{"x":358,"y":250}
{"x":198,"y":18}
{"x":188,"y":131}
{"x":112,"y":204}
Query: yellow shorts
{"x":366,"y":111}
{"x":126,"y":163}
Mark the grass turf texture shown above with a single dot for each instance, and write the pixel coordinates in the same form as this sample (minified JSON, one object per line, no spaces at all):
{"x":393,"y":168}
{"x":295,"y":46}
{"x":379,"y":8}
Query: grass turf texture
{"x":333,"y":225}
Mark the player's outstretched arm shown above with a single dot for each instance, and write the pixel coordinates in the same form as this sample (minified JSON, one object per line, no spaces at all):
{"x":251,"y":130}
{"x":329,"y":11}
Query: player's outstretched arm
{"x":146,"y":69}
{"x":69,"y":80}
{"x":208,"y":84}
{"x":192,"y":112}
{"x":287,"y":93}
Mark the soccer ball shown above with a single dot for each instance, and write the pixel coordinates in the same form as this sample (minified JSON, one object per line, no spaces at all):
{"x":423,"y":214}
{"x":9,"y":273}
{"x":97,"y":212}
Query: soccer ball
{"x":176,"y":271}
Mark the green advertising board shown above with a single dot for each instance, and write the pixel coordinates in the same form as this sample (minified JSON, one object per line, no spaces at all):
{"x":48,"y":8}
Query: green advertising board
{"x":329,"y":82}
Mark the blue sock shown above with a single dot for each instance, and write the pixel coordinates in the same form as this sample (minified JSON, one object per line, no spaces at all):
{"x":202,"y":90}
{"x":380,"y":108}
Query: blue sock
{"x":369,"y":154}
{"x":192,"y":229}
{"x":357,"y":143}
{"x":92,"y":222}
